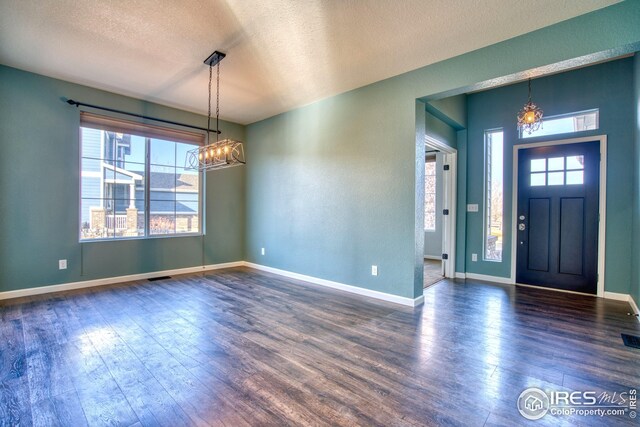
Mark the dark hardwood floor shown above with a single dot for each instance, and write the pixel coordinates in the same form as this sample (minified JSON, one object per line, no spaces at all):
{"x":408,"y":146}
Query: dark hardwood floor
{"x":239,"y":347}
{"x":432,"y":270}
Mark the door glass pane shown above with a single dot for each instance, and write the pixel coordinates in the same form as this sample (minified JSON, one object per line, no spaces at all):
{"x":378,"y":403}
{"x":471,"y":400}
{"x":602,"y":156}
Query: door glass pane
{"x":556,"y":178}
{"x":575,"y":162}
{"x":538,"y":179}
{"x":556,"y":164}
{"x":575,"y":177}
{"x":538,"y":165}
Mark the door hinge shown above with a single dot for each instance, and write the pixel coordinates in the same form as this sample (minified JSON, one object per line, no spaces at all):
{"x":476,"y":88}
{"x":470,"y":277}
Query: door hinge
{"x":446,"y":167}
{"x":445,"y":256}
{"x":445,"y":212}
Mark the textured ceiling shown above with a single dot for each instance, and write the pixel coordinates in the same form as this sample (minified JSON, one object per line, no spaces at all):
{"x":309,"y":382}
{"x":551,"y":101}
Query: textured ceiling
{"x":281,"y":54}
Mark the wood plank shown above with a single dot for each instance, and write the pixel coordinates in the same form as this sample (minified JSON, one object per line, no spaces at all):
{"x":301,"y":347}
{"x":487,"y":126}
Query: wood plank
{"x":239,"y":347}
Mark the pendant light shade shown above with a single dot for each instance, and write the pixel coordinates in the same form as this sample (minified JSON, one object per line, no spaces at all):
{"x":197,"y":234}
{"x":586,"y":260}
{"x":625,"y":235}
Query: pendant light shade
{"x":218,"y":154}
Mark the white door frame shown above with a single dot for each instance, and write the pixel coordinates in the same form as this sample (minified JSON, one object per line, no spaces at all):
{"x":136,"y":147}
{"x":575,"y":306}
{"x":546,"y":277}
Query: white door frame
{"x":449,"y":201}
{"x":602,"y":201}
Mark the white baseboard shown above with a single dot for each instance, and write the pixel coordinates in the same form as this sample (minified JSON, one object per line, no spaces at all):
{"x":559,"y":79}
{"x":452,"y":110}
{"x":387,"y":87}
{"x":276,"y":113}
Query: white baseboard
{"x":616,"y":296}
{"x":111,"y":280}
{"x":341,"y":286}
{"x":634,"y":307}
{"x":486,"y":278}
{"x":198,"y":269}
{"x":460,"y":275}
{"x":624,"y":297}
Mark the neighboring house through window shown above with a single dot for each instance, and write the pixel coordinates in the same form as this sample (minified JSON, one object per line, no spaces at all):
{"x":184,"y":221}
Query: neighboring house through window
{"x":134,"y":182}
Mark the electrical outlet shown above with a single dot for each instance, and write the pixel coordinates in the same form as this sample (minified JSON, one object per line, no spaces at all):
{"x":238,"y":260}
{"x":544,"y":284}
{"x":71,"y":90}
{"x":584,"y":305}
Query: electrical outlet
{"x":374,"y":270}
{"x":472,"y":207}
{"x":62,"y":264}
{"x":474,"y":257}
{"x":262,"y":251}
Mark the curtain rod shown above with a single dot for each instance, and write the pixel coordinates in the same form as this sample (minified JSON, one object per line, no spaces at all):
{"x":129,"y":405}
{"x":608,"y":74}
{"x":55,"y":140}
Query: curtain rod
{"x":97,"y":107}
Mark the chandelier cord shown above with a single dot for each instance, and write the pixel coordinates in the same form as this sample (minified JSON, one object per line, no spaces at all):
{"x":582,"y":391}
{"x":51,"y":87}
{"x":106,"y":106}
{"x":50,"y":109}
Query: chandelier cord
{"x":217,"y":101}
{"x":209,"y":113}
{"x":529,"y":91}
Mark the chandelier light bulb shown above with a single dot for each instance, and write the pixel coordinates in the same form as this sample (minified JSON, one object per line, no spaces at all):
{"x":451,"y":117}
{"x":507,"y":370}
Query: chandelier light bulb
{"x":530,"y":117}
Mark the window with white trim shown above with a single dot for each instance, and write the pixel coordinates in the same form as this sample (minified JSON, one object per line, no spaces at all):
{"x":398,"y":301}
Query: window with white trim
{"x":566,"y":123}
{"x":133,"y":180}
{"x":430,"y":194}
{"x":493,"y":192}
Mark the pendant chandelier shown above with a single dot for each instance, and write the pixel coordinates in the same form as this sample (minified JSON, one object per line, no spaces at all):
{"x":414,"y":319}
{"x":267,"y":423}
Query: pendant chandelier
{"x":218,"y":154}
{"x":530,"y":117}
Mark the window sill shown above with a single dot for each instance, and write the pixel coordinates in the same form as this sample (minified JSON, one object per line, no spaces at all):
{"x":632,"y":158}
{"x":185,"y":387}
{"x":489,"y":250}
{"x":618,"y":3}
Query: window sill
{"x":124,"y":239}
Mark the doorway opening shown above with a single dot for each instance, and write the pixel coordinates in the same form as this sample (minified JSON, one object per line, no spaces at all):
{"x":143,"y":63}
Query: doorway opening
{"x":440,"y":211}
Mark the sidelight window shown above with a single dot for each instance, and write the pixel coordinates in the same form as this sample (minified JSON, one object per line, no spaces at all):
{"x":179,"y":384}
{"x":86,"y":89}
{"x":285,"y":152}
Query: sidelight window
{"x":493,"y":192}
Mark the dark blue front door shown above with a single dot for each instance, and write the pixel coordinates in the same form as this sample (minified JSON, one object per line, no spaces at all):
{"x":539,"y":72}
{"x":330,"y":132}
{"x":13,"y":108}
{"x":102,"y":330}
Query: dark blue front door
{"x":557,"y":217}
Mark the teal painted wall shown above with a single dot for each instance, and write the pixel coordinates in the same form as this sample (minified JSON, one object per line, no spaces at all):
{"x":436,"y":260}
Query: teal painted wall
{"x":440,"y":130}
{"x":635,"y":261}
{"x":607,"y":87}
{"x":452,"y":109}
{"x":461,"y":217}
{"x":335,"y":186}
{"x":39,"y":184}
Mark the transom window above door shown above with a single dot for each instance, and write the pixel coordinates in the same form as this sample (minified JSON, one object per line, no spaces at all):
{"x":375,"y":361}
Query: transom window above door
{"x":557,"y":171}
{"x":579,"y":121}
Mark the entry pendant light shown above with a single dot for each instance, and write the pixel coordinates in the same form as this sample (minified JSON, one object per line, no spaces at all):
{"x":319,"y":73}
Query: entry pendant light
{"x":530,"y":117}
{"x":223,"y":153}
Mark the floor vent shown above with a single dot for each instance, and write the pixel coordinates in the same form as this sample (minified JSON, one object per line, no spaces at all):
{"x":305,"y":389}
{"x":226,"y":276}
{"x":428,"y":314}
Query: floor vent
{"x":631,"y":340}
{"x":153,"y":279}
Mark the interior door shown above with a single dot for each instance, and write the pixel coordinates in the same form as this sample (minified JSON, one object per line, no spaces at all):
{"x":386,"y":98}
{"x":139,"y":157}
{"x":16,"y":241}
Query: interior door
{"x":558,"y":199}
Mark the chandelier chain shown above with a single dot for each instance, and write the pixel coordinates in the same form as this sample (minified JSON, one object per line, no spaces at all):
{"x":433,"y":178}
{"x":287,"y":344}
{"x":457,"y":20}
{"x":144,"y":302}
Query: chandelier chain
{"x":217,"y":100}
{"x":209,"y":112}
